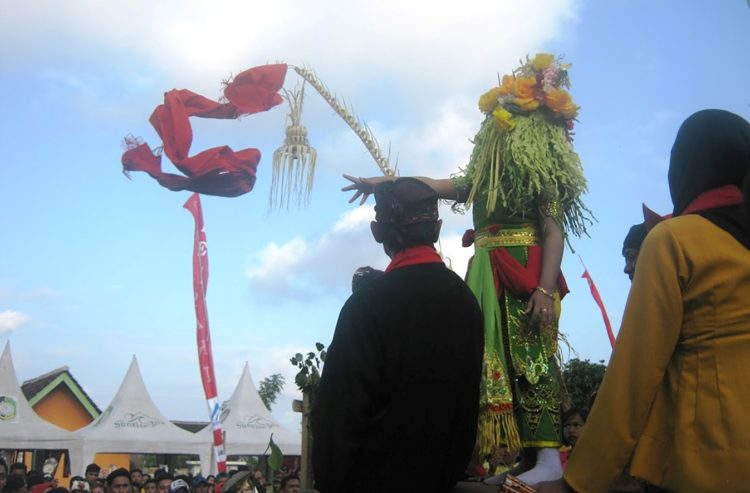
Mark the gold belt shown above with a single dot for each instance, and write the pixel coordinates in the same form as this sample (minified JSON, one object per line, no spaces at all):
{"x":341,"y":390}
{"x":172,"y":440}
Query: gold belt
{"x":506,"y":237}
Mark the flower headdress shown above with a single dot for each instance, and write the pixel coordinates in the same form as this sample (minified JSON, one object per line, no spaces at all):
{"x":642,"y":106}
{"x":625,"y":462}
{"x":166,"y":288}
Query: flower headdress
{"x":523,"y":158}
{"x":537,"y":85}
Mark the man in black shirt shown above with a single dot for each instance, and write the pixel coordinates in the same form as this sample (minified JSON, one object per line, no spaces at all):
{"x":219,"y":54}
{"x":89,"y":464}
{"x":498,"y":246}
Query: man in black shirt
{"x":397,"y":405}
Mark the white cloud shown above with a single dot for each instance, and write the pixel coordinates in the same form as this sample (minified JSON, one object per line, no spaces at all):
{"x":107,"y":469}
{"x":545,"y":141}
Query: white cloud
{"x":354,"y":219}
{"x":428,"y":47}
{"x":305,"y":269}
{"x":11,"y":320}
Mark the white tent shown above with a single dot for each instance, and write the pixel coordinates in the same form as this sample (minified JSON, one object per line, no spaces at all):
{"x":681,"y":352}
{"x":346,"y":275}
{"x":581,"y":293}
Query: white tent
{"x":20,"y":427}
{"x":248,"y":425}
{"x":133,"y":424}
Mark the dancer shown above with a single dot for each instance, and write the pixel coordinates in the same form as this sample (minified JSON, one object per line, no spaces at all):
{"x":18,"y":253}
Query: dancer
{"x":524,"y":182}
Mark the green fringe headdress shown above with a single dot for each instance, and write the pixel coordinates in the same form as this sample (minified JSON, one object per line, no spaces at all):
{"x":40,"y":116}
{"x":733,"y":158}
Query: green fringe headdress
{"x":523,"y":154}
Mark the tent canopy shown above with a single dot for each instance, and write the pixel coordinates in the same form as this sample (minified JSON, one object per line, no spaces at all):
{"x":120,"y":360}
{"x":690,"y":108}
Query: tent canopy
{"x":20,"y":427}
{"x":248,"y":425}
{"x":133,"y":424}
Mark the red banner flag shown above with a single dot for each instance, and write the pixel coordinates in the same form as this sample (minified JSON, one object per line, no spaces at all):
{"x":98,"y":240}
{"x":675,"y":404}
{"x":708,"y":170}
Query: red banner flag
{"x":598,"y":299}
{"x":217,"y":171}
{"x":203,"y":334}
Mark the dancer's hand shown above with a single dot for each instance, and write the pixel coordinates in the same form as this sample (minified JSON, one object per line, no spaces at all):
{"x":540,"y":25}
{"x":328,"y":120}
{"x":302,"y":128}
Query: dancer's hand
{"x":364,"y":186}
{"x":558,"y":486}
{"x":541,"y":309}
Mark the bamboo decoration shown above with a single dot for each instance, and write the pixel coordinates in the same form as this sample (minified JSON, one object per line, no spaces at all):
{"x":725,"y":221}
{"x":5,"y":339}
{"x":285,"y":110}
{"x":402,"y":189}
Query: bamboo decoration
{"x":360,"y":128}
{"x":294,"y":161}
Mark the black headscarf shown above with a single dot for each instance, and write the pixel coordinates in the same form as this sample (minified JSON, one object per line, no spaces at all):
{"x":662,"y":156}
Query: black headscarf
{"x":712,"y":149}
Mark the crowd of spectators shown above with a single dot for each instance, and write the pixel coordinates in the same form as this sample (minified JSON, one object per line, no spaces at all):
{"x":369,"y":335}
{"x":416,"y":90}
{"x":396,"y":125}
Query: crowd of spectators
{"x":17,"y":479}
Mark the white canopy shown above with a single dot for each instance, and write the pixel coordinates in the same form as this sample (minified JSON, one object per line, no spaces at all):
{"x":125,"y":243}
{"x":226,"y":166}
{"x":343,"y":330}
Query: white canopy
{"x":133,"y":424}
{"x":248,"y":425}
{"x":20,"y":427}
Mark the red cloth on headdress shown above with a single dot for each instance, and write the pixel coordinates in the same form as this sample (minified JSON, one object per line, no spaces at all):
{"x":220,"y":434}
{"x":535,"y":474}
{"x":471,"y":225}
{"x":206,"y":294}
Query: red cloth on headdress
{"x":219,"y":170}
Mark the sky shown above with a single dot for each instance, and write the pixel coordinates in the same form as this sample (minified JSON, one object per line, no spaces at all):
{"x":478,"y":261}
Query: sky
{"x":96,"y":267}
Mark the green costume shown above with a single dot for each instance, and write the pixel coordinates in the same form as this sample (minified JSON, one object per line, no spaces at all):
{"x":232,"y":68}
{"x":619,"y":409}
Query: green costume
{"x":515,"y":178}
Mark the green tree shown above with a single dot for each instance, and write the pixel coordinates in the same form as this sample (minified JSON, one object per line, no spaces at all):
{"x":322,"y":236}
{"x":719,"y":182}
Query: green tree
{"x":582,"y":378}
{"x":270,"y":388}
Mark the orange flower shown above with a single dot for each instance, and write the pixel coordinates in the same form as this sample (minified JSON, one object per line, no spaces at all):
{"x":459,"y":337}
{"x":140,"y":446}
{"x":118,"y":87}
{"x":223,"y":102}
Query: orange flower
{"x":560,"y":102}
{"x":488,"y":100}
{"x":526,"y":104}
{"x":525,"y":87}
{"x":507,"y":86}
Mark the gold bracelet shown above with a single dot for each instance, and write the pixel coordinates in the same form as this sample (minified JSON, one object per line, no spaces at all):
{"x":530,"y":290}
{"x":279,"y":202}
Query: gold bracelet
{"x":545,"y":292}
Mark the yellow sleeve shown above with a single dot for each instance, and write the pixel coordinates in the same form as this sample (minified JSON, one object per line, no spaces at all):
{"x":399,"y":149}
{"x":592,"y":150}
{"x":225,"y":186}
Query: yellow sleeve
{"x":648,"y":336}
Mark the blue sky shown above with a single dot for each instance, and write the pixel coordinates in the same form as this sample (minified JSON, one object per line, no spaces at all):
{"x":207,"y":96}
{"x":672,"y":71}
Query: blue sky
{"x":95,"y":267}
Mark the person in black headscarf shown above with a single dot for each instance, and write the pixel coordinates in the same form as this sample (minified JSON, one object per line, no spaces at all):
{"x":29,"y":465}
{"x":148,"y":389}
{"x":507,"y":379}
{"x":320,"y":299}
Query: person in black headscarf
{"x":400,"y":388}
{"x":673,"y":403}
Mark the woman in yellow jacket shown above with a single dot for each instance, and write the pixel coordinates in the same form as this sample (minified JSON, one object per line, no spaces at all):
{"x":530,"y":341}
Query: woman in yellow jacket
{"x":674,"y":406}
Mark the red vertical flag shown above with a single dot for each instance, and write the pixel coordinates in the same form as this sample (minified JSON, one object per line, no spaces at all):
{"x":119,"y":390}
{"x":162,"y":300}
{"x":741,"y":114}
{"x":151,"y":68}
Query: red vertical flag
{"x":203,"y":334}
{"x":598,"y":299}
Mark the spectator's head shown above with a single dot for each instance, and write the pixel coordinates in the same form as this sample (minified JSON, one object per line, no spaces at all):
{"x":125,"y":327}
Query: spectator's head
{"x":200,"y":484}
{"x":163,"y":481}
{"x":15,"y":483}
{"x":179,"y":485}
{"x":3,"y":473}
{"x":92,"y":473}
{"x":99,"y":488}
{"x":364,"y":276}
{"x":711,"y":150}
{"x":18,"y":469}
{"x":58,"y":489}
{"x":573,"y":420}
{"x":235,"y":483}
{"x":631,"y":247}
{"x":119,"y":481}
{"x":78,"y":483}
{"x":406,"y":215}
{"x":149,"y":486}
{"x":259,"y":477}
{"x":291,"y":484}
{"x":136,"y":476}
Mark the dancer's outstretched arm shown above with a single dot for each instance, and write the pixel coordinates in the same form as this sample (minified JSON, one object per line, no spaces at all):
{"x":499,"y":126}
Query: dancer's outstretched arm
{"x":364,"y":187}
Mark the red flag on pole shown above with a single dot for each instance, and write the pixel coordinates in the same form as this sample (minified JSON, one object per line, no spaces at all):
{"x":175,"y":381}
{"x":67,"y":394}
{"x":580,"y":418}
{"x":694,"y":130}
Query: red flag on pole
{"x":203,"y":334}
{"x":598,"y":299}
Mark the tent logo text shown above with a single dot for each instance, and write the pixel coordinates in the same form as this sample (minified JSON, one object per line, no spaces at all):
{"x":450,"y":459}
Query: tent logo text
{"x":138,"y":420}
{"x":256,"y":422}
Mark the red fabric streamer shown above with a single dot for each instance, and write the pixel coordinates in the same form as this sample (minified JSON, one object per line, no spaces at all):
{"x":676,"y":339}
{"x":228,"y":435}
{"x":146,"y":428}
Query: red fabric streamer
{"x":203,"y":334}
{"x":219,"y":170}
{"x":600,"y":303}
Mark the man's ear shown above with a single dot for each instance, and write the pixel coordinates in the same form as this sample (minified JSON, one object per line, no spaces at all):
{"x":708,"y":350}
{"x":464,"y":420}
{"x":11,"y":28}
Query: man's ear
{"x":438,"y":224}
{"x":376,"y":231}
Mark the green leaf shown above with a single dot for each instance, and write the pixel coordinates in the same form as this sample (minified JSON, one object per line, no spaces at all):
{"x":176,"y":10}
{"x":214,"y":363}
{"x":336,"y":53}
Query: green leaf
{"x":301,"y":380}
{"x":276,"y":457}
{"x":319,"y":346}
